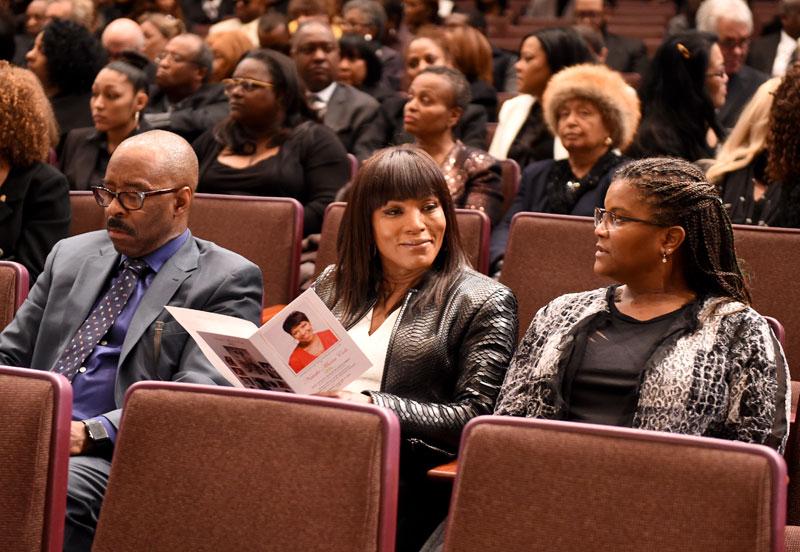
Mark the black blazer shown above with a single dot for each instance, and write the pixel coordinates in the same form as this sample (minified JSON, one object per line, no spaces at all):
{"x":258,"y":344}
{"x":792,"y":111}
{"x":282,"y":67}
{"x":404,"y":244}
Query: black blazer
{"x":762,"y":52}
{"x":355,"y":118}
{"x":741,"y":88}
{"x":34,"y":215}
{"x":626,"y":55}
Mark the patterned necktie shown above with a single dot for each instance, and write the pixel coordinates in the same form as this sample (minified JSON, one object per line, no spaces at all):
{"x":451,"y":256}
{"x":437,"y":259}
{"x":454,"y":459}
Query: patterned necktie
{"x":100,"y":319}
{"x":317,"y":105}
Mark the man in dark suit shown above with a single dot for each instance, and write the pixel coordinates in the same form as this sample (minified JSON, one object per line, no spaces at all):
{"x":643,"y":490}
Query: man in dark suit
{"x":732,"y":22}
{"x":626,"y":55}
{"x":183,"y":101}
{"x":353,"y":115}
{"x":96,"y":314}
{"x":772,"y":52}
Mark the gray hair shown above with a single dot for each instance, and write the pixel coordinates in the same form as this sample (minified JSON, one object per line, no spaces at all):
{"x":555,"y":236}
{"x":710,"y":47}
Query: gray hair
{"x":459,"y":85}
{"x":374,"y":12}
{"x":710,"y":12}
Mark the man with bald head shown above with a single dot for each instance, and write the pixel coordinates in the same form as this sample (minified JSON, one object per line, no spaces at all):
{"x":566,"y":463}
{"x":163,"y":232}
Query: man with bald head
{"x":96,"y":314}
{"x":120,"y":35}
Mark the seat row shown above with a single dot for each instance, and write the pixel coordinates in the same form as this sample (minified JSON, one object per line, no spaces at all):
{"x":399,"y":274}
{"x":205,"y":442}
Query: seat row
{"x":211,"y":468}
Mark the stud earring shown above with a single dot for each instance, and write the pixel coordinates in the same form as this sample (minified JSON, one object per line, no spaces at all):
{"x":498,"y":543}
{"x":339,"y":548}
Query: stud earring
{"x":608,"y":141}
{"x":664,"y":256}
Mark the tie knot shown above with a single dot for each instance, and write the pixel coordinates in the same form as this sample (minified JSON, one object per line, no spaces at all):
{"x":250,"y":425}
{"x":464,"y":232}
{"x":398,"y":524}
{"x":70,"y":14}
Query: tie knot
{"x":138,"y":266}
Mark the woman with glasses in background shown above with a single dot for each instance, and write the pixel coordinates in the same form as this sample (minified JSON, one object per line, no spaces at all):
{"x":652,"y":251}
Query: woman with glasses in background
{"x":674,"y":346}
{"x":272,"y":144}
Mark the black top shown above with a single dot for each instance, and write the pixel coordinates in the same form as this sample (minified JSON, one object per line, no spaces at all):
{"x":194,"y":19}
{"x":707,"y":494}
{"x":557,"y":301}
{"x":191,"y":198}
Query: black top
{"x":605,"y":388}
{"x":72,"y":111}
{"x":736,"y":190}
{"x":533,"y":142}
{"x":34,"y":215}
{"x":310,"y":167}
{"x":484,"y":95}
{"x":550,"y":187}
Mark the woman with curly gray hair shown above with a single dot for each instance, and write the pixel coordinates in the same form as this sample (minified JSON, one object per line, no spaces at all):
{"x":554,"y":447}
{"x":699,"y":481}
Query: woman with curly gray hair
{"x":674,"y":346}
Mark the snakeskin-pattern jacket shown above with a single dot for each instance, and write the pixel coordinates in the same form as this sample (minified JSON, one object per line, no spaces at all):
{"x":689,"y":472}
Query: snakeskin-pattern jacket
{"x":721,"y":374}
{"x":445,"y":362}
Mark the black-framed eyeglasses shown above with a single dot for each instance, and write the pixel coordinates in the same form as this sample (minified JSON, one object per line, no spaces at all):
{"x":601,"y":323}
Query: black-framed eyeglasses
{"x":248,"y":85}
{"x":602,"y":216}
{"x":130,"y":201}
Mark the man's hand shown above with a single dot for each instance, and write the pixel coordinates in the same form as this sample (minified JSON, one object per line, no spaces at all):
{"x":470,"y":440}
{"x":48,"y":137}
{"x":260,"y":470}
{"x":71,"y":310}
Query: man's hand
{"x":78,"y":439}
{"x":347,"y":396}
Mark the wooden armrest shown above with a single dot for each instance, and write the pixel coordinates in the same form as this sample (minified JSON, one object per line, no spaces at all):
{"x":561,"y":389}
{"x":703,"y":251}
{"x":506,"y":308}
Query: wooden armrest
{"x":445,"y":472}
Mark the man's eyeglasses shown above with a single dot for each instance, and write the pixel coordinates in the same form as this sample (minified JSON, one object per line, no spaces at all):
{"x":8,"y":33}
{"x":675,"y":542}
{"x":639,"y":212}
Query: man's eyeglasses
{"x":130,"y":201}
{"x":601,"y":216}
{"x":731,"y":43}
{"x":248,"y":85}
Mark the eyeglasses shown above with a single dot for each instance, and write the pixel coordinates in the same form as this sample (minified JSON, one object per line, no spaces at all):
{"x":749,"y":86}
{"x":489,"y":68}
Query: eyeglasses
{"x":601,"y":216}
{"x":731,"y":43}
{"x":177,"y":58}
{"x":130,"y":201}
{"x":248,"y":85}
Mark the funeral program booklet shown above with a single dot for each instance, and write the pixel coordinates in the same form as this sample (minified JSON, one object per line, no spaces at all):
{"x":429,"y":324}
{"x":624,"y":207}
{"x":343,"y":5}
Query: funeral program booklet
{"x":302,"y":349}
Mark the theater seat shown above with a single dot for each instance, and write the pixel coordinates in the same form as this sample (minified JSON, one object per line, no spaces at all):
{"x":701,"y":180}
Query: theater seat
{"x":526,"y":483}
{"x":213,"y":468}
{"x":35,"y":408}
{"x":13,"y":290}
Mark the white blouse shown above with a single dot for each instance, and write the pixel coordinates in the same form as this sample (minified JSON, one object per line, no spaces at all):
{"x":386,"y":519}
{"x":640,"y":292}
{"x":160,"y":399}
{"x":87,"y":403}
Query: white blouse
{"x":374,"y":347}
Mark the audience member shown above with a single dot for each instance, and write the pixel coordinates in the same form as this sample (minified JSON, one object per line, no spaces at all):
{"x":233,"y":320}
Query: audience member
{"x":300,"y":12}
{"x":34,"y":23}
{"x":418,"y":14}
{"x":273,"y":32}
{"x":228,"y":48}
{"x":122,"y":35}
{"x":183,"y":101}
{"x":169,"y":8}
{"x":773,"y":52}
{"x":676,"y":347}
{"x":684,"y":87}
{"x":685,"y":19}
{"x":119,"y":94}
{"x":81,"y":12}
{"x":783,"y":148}
{"x":439,"y":334}
{"x":199,"y":15}
{"x":732,"y":22}
{"x":522,"y":134}
{"x":34,"y":212}
{"x":247,"y":14}
{"x":594,"y":41}
{"x":430,"y":49}
{"x":8,"y":30}
{"x":472,"y":55}
{"x":158,"y":29}
{"x":594,"y":114}
{"x":741,"y":165}
{"x":437,"y":98}
{"x":271,"y":144}
{"x":368,"y":19}
{"x":360,"y":67}
{"x":146,"y":259}
{"x":626,"y":55}
{"x":353,"y":115}
{"x":66,"y":58}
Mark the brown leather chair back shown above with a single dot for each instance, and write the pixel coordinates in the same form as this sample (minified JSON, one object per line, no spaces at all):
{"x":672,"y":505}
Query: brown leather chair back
{"x":13,"y":290}
{"x":548,"y":256}
{"x":563,"y":486}
{"x":87,"y":215}
{"x":213,"y":468}
{"x":36,"y":409}
{"x":771,"y":259}
{"x":474,"y":228}
{"x":266,"y":230}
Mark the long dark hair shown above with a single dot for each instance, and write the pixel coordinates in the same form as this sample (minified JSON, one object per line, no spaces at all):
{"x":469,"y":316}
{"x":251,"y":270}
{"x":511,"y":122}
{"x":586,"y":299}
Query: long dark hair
{"x":677,"y":110}
{"x":563,"y":47}
{"x":290,"y":93}
{"x":397,"y":173}
{"x":680,"y":195}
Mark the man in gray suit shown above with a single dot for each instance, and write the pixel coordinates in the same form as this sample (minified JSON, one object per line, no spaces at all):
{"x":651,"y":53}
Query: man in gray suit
{"x":353,"y":115}
{"x":96,"y":314}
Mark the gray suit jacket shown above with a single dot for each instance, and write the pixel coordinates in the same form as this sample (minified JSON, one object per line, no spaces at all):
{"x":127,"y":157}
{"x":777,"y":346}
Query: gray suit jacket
{"x":200,"y":275}
{"x":355,"y":118}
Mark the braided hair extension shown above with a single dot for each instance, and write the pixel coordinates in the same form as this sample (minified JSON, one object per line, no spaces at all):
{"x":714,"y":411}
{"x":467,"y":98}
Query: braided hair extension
{"x":680,"y":195}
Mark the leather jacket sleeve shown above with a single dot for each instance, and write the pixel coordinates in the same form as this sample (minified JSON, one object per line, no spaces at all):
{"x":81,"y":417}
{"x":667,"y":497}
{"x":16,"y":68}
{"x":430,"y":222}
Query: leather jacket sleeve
{"x":479,"y":349}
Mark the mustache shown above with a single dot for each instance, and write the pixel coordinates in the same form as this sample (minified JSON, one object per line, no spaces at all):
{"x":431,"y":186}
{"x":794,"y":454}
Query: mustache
{"x":116,"y":224}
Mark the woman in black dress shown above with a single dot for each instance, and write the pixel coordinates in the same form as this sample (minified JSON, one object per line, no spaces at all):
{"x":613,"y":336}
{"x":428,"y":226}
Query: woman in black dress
{"x":271,"y":143}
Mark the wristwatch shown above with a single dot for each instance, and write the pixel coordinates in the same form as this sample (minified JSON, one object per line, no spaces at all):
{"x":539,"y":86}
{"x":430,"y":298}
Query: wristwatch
{"x":98,"y":434}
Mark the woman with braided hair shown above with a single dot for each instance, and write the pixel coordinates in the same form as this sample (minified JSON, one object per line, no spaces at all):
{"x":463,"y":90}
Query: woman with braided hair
{"x":674,"y":346}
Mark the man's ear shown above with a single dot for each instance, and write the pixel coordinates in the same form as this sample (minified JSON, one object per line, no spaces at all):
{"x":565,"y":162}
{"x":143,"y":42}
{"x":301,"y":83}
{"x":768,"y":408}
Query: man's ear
{"x":183,"y":200}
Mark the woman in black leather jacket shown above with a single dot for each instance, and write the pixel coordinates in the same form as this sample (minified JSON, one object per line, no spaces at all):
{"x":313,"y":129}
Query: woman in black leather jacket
{"x":448,"y":331}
